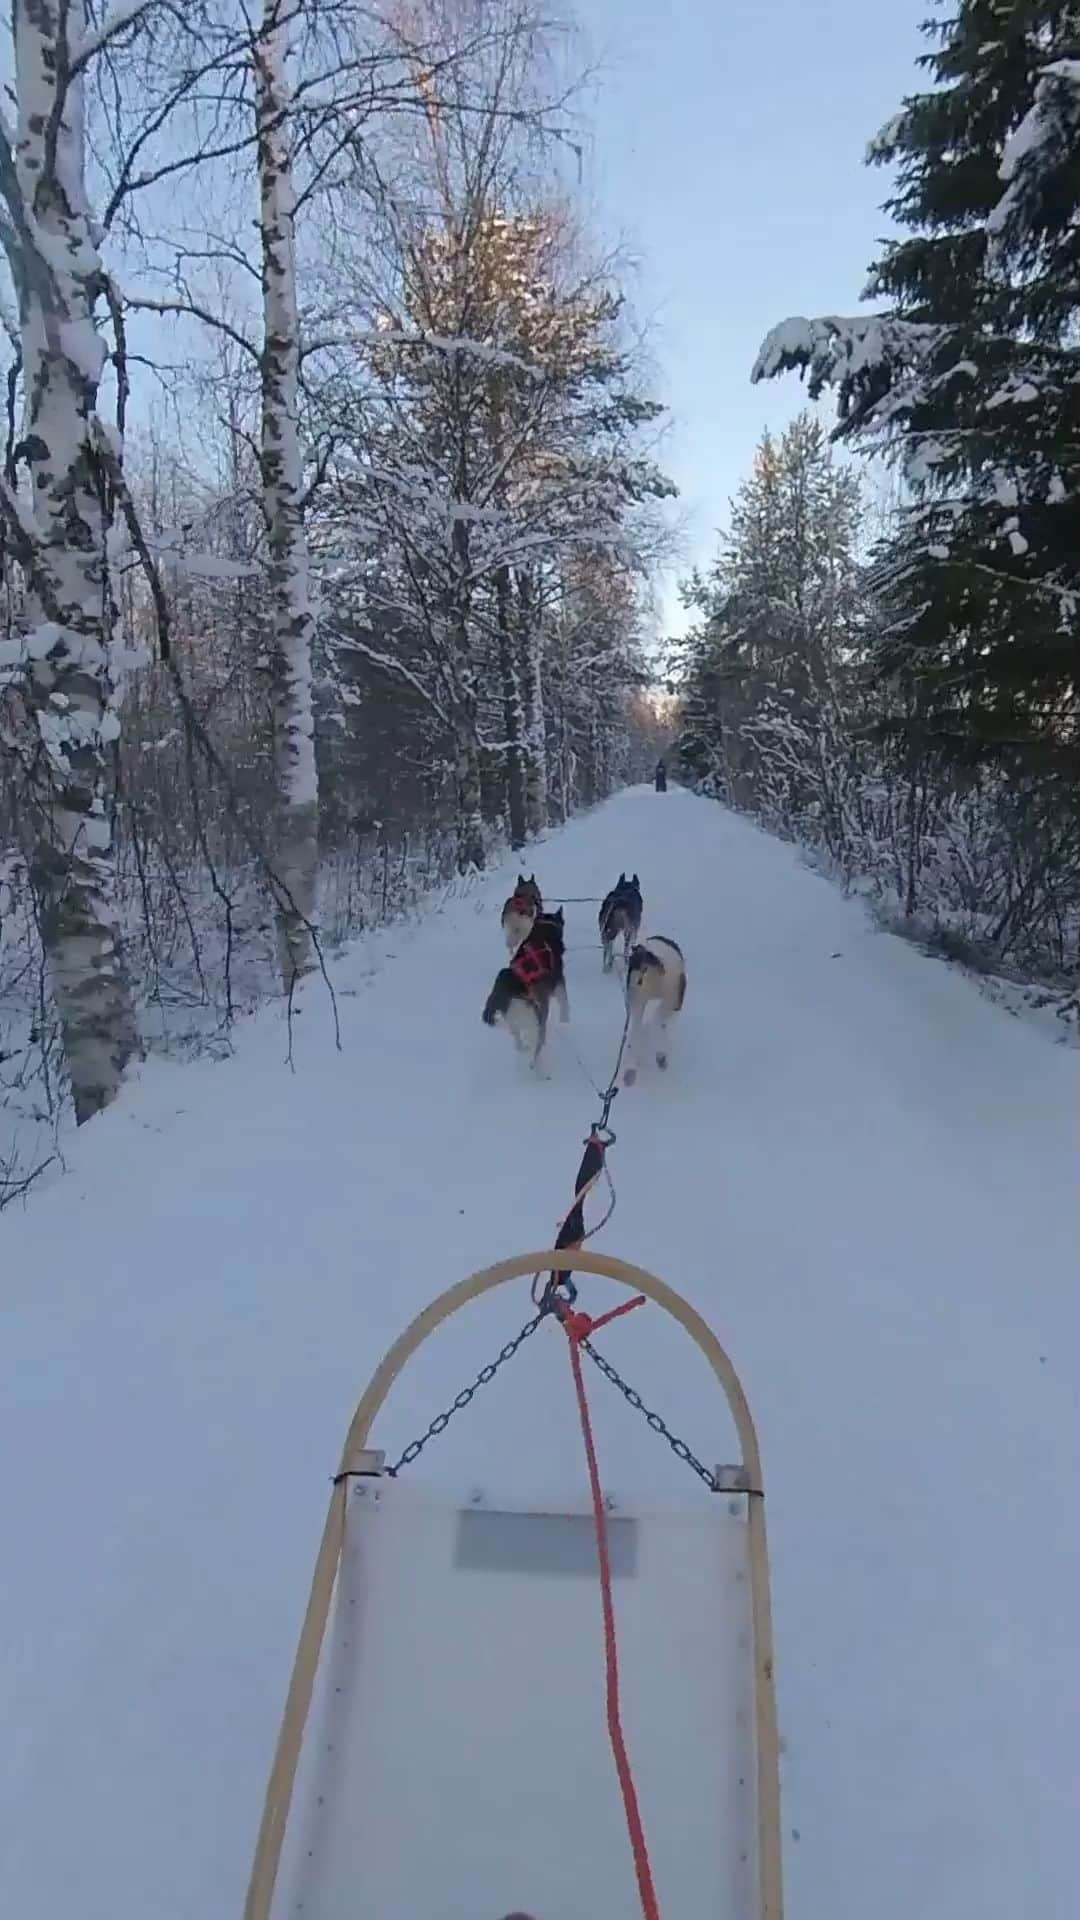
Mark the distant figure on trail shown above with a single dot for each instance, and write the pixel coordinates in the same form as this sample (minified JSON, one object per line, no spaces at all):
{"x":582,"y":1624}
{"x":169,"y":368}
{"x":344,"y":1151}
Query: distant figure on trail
{"x":661,"y":777}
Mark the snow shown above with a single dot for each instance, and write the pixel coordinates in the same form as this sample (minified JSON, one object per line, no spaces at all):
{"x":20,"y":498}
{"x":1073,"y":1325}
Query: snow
{"x":859,"y":1169}
{"x":460,"y":345}
{"x":833,"y":347}
{"x":925,"y":454}
{"x":883,"y":142}
{"x":123,"y":15}
{"x":1022,"y":393}
{"x":1042,"y":138}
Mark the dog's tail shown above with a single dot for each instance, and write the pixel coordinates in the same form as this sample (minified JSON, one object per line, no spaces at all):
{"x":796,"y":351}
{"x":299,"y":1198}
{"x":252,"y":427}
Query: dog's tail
{"x":502,"y":993}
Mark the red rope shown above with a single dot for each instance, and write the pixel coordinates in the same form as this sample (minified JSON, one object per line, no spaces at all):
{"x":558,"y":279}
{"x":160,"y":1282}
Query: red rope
{"x":578,"y":1328}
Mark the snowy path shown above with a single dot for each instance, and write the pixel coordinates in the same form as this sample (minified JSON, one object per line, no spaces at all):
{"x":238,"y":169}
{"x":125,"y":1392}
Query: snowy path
{"x":861,"y":1171}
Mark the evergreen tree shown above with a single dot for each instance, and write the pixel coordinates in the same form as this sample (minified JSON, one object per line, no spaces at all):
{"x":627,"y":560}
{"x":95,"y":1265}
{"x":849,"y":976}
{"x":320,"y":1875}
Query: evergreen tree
{"x":782,"y":620}
{"x":970,"y":380}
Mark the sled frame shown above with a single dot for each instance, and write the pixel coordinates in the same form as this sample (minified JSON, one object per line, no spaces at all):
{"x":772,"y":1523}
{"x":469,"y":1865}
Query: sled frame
{"x":358,"y":1459}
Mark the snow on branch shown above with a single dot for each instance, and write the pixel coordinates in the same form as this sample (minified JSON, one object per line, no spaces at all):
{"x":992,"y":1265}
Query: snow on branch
{"x":348,"y":641}
{"x":834,"y":351}
{"x":882,"y":147}
{"x":123,"y":15}
{"x":201,"y":565}
{"x":1038,"y":148}
{"x":192,"y":310}
{"x":453,"y":346}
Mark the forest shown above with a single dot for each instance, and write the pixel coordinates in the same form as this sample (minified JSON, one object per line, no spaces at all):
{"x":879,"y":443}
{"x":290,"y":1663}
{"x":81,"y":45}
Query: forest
{"x":882,"y":664}
{"x":332,"y":499}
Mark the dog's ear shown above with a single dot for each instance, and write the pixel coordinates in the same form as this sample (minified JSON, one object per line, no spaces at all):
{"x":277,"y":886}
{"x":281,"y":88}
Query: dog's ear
{"x":521,"y":880}
{"x":532,"y":881}
{"x":622,"y":879}
{"x":635,"y":882}
{"x":558,"y":916}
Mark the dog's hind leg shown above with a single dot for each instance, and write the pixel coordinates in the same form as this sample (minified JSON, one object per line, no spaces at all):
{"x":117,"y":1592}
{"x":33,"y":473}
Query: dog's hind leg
{"x":541,"y":1034}
{"x":609,"y":954}
{"x":633,"y":1042}
{"x":564,"y":1002}
{"x":522,"y":1024}
{"x":663,"y":1015}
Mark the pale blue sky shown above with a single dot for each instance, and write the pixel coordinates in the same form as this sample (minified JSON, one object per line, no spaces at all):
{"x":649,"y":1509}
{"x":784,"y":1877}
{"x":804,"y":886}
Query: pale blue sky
{"x":728,"y":151}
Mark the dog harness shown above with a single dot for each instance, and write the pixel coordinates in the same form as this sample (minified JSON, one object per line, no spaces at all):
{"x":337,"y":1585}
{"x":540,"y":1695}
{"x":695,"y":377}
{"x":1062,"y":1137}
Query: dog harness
{"x":531,"y":962}
{"x":521,"y":903}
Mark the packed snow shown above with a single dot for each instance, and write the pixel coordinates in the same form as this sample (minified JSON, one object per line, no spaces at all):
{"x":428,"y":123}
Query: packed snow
{"x":862,"y":1172}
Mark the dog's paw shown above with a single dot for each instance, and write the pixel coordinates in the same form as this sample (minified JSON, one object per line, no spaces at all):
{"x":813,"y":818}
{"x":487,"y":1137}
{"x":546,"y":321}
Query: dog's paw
{"x":661,"y":1059}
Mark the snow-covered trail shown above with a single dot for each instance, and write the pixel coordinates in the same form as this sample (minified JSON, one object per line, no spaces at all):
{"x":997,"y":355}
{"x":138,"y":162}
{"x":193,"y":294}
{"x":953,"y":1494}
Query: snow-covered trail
{"x":862,"y":1172}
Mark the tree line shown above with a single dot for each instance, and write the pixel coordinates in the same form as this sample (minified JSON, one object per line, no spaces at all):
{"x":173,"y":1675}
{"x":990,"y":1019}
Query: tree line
{"x":330,"y":498}
{"x":891,"y":674}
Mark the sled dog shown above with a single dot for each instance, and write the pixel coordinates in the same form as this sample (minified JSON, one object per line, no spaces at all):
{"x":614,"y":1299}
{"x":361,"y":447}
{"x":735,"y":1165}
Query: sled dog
{"x":522,"y":995}
{"x":620,"y":913}
{"x":520,"y":911}
{"x":655,"y":976}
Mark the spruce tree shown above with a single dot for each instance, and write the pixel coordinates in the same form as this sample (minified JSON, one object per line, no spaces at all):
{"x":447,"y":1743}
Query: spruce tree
{"x":970,"y":379}
{"x":780,"y":608}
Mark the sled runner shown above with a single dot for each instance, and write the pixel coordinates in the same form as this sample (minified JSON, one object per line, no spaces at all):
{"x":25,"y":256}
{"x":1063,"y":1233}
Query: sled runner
{"x":559,"y":1707}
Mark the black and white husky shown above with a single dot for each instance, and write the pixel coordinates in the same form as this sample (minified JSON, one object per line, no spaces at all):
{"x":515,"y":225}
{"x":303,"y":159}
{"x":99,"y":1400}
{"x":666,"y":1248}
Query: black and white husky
{"x":520,"y":911}
{"x":522,"y":995}
{"x":655,"y":977}
{"x":620,"y":913}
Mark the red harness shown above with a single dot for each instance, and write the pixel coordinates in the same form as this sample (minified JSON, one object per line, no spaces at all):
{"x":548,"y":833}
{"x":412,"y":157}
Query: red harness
{"x":521,"y":903}
{"x":531,"y":962}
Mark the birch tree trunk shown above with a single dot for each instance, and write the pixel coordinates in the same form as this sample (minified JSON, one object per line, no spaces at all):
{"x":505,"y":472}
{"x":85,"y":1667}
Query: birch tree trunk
{"x":60,"y":539}
{"x":513,"y":712}
{"x":470,"y":816}
{"x":281,"y":460}
{"x":535,"y":731}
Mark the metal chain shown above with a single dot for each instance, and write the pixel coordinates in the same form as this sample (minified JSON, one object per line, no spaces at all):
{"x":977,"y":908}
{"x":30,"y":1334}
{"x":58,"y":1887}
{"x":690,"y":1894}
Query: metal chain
{"x":678,"y":1447}
{"x":548,"y":1306}
{"x":483,"y":1379}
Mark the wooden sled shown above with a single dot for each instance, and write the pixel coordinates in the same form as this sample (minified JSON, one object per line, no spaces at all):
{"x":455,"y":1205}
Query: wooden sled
{"x":456,"y":1765}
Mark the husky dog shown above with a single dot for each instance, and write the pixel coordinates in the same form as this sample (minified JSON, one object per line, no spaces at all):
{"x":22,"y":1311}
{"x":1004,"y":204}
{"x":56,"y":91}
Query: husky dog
{"x":620,"y":914}
{"x":520,"y":911}
{"x":655,"y":975}
{"x":523,"y":991}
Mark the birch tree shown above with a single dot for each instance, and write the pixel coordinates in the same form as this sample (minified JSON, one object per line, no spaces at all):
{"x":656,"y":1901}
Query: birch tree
{"x":282,"y":465}
{"x":57,"y":497}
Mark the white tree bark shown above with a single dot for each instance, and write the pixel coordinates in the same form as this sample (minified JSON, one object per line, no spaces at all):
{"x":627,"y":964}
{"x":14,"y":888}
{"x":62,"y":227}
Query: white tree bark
{"x":292,"y":615}
{"x":513,"y":712}
{"x":535,"y":731}
{"x":59,"y":537}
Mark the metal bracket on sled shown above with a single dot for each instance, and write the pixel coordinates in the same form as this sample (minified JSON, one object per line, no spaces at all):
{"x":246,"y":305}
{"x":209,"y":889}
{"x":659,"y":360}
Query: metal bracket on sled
{"x":365,"y":1463}
{"x":733,"y":1480}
